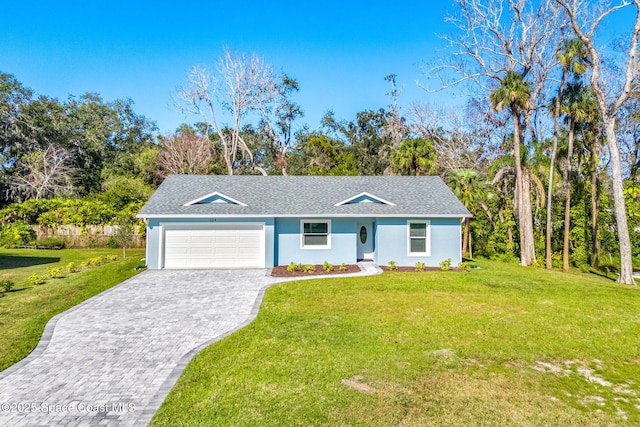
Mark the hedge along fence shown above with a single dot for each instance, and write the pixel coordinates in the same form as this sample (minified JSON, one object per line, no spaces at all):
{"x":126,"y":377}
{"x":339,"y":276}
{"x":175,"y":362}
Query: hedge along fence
{"x":87,"y":236}
{"x":76,"y":222}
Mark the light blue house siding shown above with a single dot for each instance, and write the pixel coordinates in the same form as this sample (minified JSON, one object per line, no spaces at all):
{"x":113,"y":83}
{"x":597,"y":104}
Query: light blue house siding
{"x":155,"y":226}
{"x":283,"y":240}
{"x":288,"y":243}
{"x":392,"y":241}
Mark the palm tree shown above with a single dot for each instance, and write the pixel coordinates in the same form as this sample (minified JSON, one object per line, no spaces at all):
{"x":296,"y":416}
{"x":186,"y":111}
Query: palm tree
{"x":578,"y":105}
{"x":572,"y":56}
{"x":414,"y":156}
{"x":470,"y":187}
{"x":514,"y":93}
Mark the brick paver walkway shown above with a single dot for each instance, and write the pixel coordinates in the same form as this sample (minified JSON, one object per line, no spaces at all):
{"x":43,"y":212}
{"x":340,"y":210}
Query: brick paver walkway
{"x":114,"y":358}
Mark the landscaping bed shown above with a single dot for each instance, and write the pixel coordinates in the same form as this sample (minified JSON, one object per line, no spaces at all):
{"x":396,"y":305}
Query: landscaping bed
{"x":411,"y":269}
{"x":281,"y":271}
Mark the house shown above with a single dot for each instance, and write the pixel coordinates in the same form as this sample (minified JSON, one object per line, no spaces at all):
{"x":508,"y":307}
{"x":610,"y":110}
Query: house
{"x":204,"y":221}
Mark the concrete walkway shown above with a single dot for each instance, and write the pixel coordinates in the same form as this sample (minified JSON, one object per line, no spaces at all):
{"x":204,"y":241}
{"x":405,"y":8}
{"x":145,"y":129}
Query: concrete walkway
{"x":113,"y":359}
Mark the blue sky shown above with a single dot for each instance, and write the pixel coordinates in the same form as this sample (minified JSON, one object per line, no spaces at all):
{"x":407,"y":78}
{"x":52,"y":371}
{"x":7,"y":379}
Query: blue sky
{"x":340,"y":51}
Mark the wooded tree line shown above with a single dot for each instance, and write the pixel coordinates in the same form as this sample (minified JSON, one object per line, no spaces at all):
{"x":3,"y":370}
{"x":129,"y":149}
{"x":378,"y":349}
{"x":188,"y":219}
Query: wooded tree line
{"x":545,"y":153}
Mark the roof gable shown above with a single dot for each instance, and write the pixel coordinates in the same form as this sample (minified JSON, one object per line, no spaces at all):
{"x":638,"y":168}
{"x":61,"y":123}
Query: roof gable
{"x":215,"y":197}
{"x":364,"y":197}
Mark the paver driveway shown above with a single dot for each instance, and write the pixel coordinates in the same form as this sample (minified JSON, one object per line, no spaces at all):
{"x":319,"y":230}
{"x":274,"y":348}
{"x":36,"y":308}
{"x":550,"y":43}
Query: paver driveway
{"x":112,"y":359}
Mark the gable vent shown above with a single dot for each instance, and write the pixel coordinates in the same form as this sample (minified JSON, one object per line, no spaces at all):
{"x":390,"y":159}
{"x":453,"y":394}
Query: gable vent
{"x":364,"y":198}
{"x":215,"y":198}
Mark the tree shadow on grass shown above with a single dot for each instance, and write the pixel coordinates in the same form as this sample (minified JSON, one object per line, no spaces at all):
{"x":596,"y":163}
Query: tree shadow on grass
{"x":11,"y":261}
{"x":16,"y":290}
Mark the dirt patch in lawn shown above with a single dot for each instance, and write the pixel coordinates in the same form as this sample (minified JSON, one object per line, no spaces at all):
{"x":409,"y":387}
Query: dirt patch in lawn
{"x":281,"y":271}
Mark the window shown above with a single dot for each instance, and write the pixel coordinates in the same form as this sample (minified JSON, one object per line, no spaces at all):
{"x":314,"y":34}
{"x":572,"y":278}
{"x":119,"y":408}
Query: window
{"x":315,"y":234}
{"x":418,"y":236}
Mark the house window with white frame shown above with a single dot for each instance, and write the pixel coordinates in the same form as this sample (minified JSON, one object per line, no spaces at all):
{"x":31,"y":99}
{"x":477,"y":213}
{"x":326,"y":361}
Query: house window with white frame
{"x":418,"y":238}
{"x":315,"y":234}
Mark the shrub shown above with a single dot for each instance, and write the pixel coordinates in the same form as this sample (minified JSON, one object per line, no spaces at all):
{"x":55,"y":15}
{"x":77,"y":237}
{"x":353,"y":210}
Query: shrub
{"x":309,"y":268}
{"x":419,"y":266}
{"x":327,"y":266}
{"x":506,"y":257}
{"x":585,"y":268}
{"x":16,"y":234}
{"x":343,"y":267}
{"x":97,"y":261}
{"x":72,"y":267}
{"x":292,"y":267}
{"x":36,"y":279}
{"x":112,"y":243}
{"x":393,"y":266}
{"x":464,"y":266}
{"x":6,"y":285}
{"x":445,"y":265}
{"x":54,"y":272}
{"x":111,"y":257}
{"x":51,"y":243}
{"x":84,"y":264}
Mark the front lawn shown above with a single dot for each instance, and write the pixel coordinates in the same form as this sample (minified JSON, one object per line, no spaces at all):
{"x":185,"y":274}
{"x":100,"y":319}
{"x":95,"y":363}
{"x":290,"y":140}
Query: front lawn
{"x":503,"y":345}
{"x":25,"y":310}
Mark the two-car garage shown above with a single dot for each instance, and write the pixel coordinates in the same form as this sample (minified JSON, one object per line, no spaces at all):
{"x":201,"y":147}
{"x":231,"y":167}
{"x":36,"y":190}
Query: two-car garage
{"x":213,"y":245}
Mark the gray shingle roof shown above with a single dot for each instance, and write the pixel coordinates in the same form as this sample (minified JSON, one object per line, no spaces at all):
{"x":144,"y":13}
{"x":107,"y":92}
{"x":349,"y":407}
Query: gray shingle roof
{"x":278,"y":196}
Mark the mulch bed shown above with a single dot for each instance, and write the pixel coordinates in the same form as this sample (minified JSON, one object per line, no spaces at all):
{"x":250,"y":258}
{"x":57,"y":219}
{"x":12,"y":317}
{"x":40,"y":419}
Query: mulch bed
{"x":405,"y":269}
{"x":281,"y":271}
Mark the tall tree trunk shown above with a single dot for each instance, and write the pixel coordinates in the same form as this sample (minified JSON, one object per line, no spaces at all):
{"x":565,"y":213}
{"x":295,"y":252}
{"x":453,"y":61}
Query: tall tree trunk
{"x":595,"y":209}
{"x":465,"y":237}
{"x":228,"y":162}
{"x":567,"y":200}
{"x":626,"y":263}
{"x":523,"y":201}
{"x":552,"y":166}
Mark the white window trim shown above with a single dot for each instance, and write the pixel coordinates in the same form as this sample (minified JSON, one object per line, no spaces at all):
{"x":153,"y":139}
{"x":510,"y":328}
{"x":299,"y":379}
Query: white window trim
{"x":427,"y":238}
{"x":315,"y":247}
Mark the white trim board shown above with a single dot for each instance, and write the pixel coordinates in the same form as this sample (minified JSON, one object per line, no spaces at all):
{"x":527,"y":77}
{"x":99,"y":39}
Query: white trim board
{"x":364,"y":194}
{"x":214,"y":194}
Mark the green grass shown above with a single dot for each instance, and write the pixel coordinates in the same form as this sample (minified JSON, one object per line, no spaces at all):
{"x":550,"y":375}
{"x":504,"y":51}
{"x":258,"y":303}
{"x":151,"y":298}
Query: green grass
{"x":503,"y":345}
{"x":25,"y":310}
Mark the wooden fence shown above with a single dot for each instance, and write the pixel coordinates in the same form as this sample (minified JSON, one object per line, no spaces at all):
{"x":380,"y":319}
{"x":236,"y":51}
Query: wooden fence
{"x":89,"y":236}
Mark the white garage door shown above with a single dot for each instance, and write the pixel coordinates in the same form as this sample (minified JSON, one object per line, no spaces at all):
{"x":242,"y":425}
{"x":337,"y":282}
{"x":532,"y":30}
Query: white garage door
{"x":214,"y":246}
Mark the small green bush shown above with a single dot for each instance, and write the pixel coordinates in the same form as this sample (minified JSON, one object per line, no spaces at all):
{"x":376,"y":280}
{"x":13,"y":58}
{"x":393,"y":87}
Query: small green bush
{"x":54,"y":272}
{"x":292,"y":267}
{"x":6,"y":285}
{"x":51,"y":243}
{"x":112,"y":243}
{"x":84,"y":264}
{"x":585,"y":268}
{"x":419,"y":266}
{"x":72,"y":267}
{"x":327,"y":266}
{"x":393,"y":266}
{"x":445,"y":265}
{"x":97,"y":261}
{"x":36,"y":279}
{"x":309,"y":268}
{"x":111,"y":257}
{"x":343,"y":267}
{"x":464,"y":266}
